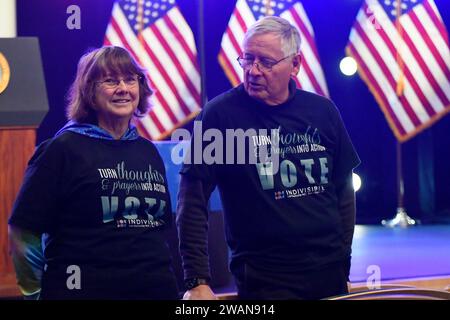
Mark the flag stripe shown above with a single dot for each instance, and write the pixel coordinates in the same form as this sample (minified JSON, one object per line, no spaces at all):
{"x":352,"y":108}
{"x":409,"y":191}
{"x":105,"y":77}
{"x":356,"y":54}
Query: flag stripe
{"x":134,"y":46}
{"x":166,"y":49}
{"x":172,"y":25}
{"x":379,"y":94}
{"x":178,"y":25}
{"x":297,"y":82}
{"x":312,"y":77}
{"x":303,"y":81}
{"x":434,"y":15}
{"x":158,"y":95}
{"x":305,"y":32}
{"x":412,"y":89}
{"x":160,"y":110}
{"x":245,"y":13}
{"x":380,"y":46}
{"x":188,"y":67}
{"x":430,"y":46}
{"x":230,"y":57}
{"x":141,"y":128}
{"x":185,"y":86}
{"x":376,"y":71}
{"x":169,"y":83}
{"x":418,"y":53}
{"x":417,"y":79}
{"x":229,"y":68}
{"x":236,"y":30}
{"x":297,"y":16}
{"x":234,"y":42}
{"x":388,"y":74}
{"x":155,"y":120}
{"x":441,"y":43}
{"x":300,"y":17}
{"x":309,"y":58}
{"x":240,"y":21}
{"x":417,"y":46}
{"x":152,"y":127}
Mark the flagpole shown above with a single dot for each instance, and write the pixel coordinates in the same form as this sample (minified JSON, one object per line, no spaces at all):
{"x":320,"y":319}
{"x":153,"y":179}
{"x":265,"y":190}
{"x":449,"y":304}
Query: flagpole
{"x":140,"y":19}
{"x":201,"y":53}
{"x":400,"y":182}
{"x":267,"y":6}
{"x":401,"y":64}
{"x":401,"y":219}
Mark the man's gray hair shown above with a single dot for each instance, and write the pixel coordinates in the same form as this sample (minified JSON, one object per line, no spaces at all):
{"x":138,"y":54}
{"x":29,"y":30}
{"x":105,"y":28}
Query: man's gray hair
{"x":289,"y":35}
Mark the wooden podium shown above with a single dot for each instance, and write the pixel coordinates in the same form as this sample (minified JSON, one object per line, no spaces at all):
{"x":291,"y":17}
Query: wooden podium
{"x":23,"y":105}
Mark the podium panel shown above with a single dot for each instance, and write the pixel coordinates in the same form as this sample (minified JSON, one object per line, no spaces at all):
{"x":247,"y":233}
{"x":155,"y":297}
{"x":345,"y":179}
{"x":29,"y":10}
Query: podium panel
{"x":23,"y":102}
{"x":23,"y":105}
{"x":16,"y":148}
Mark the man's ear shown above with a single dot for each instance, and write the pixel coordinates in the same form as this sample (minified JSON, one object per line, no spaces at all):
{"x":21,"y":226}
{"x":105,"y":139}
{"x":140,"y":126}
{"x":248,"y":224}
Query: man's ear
{"x":296,"y":61}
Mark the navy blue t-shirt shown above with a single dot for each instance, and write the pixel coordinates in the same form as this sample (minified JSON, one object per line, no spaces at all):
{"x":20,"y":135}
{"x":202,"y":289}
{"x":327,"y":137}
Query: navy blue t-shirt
{"x":280,"y":214}
{"x":102,"y":205}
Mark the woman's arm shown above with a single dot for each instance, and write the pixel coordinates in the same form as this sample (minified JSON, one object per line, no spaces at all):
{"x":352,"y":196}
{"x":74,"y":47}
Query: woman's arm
{"x":28,"y":260}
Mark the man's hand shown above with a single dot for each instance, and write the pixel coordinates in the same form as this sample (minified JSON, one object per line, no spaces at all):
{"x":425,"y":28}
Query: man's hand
{"x":201,"y":292}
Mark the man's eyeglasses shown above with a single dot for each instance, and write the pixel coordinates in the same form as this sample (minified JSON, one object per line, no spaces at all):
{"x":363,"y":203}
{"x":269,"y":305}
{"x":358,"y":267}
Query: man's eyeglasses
{"x":263,"y":64}
{"x":112,"y":83}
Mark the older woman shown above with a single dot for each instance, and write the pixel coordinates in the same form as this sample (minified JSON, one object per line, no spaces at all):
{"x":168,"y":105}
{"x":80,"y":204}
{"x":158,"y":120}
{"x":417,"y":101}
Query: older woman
{"x":97,"y":196}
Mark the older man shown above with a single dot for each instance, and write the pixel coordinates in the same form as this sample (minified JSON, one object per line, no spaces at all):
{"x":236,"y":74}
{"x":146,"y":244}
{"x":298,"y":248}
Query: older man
{"x":290,"y":213}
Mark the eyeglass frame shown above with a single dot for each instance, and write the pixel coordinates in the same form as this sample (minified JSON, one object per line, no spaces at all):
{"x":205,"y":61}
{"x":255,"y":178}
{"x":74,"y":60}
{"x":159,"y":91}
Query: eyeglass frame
{"x":118,"y":81}
{"x":258,"y":65}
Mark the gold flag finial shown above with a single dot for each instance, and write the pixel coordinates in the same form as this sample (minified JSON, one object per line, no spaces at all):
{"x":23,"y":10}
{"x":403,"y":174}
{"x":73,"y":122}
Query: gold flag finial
{"x":268,"y":11}
{"x":401,"y":64}
{"x":140,"y":20}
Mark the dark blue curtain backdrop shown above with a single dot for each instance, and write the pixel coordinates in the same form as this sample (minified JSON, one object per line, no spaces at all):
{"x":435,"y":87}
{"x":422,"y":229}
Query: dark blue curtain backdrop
{"x":426,"y":158}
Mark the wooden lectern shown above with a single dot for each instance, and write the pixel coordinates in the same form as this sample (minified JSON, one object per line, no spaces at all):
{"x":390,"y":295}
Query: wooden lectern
{"x":23,"y":105}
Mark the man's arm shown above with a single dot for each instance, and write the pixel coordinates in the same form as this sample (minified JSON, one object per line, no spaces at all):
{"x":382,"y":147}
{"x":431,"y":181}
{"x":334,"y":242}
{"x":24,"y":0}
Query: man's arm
{"x":192,"y":223}
{"x":347,"y":211}
{"x":28,"y":260}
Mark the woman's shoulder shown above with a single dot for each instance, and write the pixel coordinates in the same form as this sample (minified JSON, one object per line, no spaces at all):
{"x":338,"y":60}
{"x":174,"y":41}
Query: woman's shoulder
{"x":147,"y":145}
{"x":49,"y":150}
{"x":53,"y":143}
{"x":145,"y":142}
{"x":58,"y":144}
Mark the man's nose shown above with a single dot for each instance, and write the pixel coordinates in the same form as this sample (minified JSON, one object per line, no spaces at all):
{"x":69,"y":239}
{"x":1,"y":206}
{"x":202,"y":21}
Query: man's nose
{"x":254,"y":69}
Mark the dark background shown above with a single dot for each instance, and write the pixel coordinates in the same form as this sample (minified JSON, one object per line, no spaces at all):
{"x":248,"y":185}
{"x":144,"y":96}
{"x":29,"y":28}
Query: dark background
{"x":425,"y":157}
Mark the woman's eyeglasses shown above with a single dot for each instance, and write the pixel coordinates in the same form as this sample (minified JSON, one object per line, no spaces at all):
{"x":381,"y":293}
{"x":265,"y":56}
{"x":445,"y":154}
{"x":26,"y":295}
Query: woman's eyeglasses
{"x":112,"y":83}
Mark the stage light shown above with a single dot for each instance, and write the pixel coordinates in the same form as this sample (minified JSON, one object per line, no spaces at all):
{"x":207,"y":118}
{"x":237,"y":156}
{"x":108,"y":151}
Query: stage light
{"x":356,"y":182}
{"x":348,"y":66}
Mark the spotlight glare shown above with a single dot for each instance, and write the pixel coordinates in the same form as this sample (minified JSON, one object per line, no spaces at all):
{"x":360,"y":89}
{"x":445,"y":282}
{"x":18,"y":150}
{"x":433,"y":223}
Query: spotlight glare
{"x":348,"y":66}
{"x":356,"y":182}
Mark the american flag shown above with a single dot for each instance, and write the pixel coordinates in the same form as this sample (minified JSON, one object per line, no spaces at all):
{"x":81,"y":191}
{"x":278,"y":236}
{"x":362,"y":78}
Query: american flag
{"x":403,"y":55}
{"x":246,"y":13}
{"x":157,"y":35}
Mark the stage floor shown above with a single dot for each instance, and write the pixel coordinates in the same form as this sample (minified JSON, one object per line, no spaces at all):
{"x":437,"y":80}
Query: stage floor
{"x":417,"y":256}
{"x":400,"y":253}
